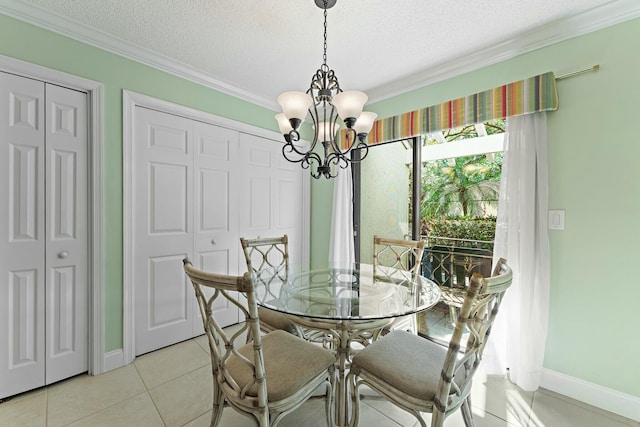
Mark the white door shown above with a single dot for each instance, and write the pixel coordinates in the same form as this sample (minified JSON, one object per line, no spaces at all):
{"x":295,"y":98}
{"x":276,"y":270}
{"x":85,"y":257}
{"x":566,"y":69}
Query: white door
{"x":272,"y":192}
{"x":43,"y":234}
{"x":183,"y":184}
{"x":66,"y":249}
{"x":216,"y":190}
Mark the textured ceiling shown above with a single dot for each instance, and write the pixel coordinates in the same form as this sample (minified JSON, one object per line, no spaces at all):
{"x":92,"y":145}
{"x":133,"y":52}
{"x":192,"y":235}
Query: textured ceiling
{"x":260,"y":48}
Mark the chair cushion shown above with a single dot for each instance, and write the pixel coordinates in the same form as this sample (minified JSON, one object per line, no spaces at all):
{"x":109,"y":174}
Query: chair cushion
{"x":275,"y":320}
{"x":290,"y":363}
{"x":408,"y":362}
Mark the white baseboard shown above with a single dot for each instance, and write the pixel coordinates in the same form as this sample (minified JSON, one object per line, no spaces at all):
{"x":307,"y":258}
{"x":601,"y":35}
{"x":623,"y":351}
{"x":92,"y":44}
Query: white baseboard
{"x":608,"y":399}
{"x":113,"y":360}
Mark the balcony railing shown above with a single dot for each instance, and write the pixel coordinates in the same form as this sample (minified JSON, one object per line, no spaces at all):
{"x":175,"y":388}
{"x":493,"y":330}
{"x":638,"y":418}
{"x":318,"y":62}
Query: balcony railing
{"x":457,"y":242}
{"x":451,"y":261}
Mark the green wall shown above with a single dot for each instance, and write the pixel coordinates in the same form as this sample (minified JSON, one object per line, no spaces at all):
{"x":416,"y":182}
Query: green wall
{"x":32,"y":44}
{"x":594,"y":147}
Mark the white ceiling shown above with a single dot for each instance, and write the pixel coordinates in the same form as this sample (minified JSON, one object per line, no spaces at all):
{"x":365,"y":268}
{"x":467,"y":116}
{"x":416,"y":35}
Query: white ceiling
{"x":256,"y":49}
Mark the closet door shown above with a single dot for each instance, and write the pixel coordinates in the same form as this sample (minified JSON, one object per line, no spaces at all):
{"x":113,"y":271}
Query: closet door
{"x":163,"y":216}
{"x":184,"y":205}
{"x":66,"y":248}
{"x":216,"y":190}
{"x":43,"y":234}
{"x":273,"y":196}
{"x":22,"y":235}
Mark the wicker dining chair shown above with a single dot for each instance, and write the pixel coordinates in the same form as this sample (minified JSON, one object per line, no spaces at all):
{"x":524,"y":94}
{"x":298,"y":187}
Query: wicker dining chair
{"x":419,"y":375}
{"x":395,"y":259}
{"x":268,"y":377}
{"x":270,"y":256}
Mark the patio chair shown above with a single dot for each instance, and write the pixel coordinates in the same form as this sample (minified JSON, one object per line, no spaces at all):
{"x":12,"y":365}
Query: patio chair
{"x":419,"y":375}
{"x":397,"y":259}
{"x":270,"y":256}
{"x":268,"y":377}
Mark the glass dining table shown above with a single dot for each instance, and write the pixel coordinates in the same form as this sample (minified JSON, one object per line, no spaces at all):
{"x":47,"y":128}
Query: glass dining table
{"x":340,"y":307}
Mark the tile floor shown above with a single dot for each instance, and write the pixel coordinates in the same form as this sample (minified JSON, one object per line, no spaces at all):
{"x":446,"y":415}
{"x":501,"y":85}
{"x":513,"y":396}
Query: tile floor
{"x":172,"y":387}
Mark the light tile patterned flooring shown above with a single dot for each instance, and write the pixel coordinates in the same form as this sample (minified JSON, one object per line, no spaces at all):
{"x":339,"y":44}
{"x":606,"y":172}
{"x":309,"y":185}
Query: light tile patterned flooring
{"x":172,"y":387}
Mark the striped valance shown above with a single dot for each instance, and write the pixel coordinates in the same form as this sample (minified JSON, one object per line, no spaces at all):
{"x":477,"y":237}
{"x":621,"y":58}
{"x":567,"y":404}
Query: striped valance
{"x":534,"y":94}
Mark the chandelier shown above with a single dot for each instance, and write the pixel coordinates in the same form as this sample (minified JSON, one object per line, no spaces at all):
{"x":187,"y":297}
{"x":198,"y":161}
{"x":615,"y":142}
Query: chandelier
{"x":325,"y":102}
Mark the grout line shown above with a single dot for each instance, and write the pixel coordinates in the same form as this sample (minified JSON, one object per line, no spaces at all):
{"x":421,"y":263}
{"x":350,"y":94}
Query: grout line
{"x":146,"y":386}
{"x":362,"y":402}
{"x":101,"y":410}
{"x":158,"y":409}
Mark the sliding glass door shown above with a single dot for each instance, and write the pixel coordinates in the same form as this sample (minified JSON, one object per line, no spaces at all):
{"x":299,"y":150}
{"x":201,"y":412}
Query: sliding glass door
{"x":383,"y":196}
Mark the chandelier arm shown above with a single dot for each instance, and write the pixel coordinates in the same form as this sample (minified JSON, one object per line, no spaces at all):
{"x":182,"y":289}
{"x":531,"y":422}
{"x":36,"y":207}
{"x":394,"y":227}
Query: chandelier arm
{"x":364,"y":150}
{"x":309,"y":160}
{"x":313,"y":157}
{"x":290,"y":147}
{"x":336,"y":148}
{"x":337,"y":160}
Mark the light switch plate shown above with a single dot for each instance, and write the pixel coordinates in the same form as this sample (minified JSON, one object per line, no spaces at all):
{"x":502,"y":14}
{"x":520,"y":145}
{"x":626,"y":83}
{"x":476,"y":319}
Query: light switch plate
{"x":556,"y":220}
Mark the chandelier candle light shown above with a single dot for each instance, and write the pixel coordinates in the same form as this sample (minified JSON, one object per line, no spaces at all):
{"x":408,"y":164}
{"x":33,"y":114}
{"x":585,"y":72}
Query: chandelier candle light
{"x":325,"y":102}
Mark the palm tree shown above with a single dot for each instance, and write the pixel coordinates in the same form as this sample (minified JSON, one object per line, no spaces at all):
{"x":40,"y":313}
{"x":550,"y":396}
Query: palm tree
{"x":462,"y":186}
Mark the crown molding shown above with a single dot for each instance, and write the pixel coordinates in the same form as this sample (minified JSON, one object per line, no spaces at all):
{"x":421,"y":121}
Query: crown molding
{"x":83,"y":33}
{"x":595,"y":19}
{"x":598,"y":18}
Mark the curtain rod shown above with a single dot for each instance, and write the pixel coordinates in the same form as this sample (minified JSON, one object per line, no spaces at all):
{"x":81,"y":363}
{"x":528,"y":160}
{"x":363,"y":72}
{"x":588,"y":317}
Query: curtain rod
{"x":575,"y":73}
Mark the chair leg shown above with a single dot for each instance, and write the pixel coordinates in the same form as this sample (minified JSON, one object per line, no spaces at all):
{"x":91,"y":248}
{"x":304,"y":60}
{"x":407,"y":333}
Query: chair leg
{"x":437,"y":418}
{"x":329,"y":402}
{"x":263,"y":418}
{"x":453,"y":313}
{"x":218,"y":407}
{"x":355,"y":401}
{"x":467,"y":415}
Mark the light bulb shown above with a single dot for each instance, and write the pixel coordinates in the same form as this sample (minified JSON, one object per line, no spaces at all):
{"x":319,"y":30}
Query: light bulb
{"x":349,"y":105}
{"x":365,"y":122}
{"x":295,"y":105}
{"x":283,"y":123}
{"x":327,"y":131}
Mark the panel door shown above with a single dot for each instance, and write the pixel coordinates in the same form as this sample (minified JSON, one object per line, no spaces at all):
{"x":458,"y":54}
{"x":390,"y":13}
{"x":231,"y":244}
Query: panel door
{"x":66,"y":250}
{"x":43,"y":236}
{"x":185,"y":194}
{"x":22,"y":235}
{"x":216,"y":190}
{"x":272,"y":194}
{"x":163,"y":229}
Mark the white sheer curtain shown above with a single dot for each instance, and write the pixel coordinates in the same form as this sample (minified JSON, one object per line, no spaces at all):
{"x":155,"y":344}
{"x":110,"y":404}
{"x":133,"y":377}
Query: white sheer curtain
{"x":519,"y":334}
{"x":341,"y":247}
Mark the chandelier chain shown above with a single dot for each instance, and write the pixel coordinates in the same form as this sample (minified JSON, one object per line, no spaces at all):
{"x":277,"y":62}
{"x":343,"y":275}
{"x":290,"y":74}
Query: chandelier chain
{"x":324,"y":56}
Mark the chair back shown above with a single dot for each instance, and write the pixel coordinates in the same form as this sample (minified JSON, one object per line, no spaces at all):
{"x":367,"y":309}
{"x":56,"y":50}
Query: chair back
{"x":267,"y":258}
{"x":211,"y":290}
{"x":475,"y":318}
{"x":394,"y":256}
{"x":266,"y":254}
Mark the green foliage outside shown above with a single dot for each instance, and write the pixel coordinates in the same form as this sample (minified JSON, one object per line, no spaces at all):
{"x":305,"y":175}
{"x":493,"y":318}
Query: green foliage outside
{"x":459,"y":196}
{"x":467,"y":228}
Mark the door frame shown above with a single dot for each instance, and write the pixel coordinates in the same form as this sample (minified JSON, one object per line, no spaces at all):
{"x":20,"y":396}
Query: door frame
{"x":131,"y":100}
{"x":95,"y":139}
